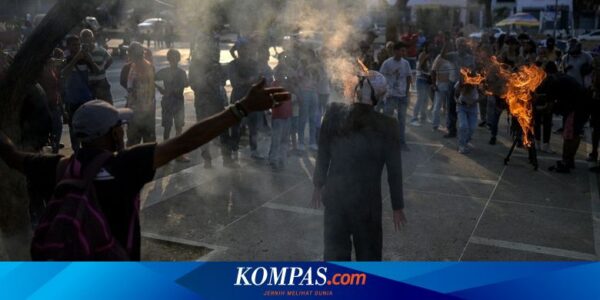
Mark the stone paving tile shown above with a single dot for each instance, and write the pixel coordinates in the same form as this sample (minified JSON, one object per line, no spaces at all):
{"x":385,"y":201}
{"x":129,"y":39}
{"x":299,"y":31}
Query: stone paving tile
{"x":213,"y":205}
{"x":438,"y":227}
{"x":541,"y":226}
{"x":268,"y":234}
{"x":545,"y":188}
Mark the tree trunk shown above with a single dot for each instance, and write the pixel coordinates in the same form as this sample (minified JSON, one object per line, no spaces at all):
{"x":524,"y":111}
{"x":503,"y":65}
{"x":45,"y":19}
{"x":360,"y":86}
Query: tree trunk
{"x":22,"y":74}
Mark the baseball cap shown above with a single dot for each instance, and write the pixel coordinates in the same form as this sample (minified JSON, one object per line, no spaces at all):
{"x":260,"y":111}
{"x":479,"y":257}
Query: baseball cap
{"x":96,"y":118}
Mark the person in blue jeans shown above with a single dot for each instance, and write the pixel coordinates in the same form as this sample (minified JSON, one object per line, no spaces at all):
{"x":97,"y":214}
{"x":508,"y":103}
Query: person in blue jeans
{"x":466,"y":111}
{"x":310,"y":111}
{"x":423,"y":86}
{"x":397,"y":72}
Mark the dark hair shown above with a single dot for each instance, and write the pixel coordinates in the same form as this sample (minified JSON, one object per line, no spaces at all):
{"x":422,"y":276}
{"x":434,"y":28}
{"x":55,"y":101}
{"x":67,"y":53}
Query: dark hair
{"x":399,"y":45}
{"x":174,"y":53}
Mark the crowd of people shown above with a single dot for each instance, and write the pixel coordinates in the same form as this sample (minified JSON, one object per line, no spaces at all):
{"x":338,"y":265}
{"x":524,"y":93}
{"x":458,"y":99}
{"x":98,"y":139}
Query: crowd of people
{"x":298,"y":92}
{"x":440,"y":86}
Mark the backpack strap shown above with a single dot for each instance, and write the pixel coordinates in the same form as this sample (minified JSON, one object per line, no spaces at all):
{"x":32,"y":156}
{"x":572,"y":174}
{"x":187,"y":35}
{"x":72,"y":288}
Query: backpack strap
{"x":88,"y":173}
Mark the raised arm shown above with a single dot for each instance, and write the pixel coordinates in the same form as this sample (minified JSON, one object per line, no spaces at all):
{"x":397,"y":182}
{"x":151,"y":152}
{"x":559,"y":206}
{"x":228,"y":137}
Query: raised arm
{"x":258,"y":99}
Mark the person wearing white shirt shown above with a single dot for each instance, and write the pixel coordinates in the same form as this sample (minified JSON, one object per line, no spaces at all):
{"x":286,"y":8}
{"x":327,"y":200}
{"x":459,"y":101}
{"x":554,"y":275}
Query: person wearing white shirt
{"x":397,"y":72}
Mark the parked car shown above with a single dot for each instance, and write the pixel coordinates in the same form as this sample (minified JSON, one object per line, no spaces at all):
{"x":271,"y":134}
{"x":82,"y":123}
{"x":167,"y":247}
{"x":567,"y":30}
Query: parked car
{"x":592,"y":36}
{"x":496,"y":31}
{"x":148,"y":26}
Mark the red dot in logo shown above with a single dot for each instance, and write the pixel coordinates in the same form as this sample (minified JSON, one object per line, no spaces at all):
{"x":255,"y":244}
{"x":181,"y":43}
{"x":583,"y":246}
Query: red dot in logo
{"x":328,"y":282}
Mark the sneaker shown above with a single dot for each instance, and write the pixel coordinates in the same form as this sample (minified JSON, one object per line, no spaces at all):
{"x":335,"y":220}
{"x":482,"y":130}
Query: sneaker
{"x":492,"y":141}
{"x":313,"y":147}
{"x":415,"y":123}
{"x":429,"y":120}
{"x":482,"y":123}
{"x":592,"y":157}
{"x":470,"y":146}
{"x":463,"y":150}
{"x":546,"y":149}
{"x":559,"y":131}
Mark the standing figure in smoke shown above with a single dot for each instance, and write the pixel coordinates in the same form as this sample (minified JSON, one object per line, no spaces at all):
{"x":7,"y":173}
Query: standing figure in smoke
{"x":310,"y":113}
{"x":397,"y":72}
{"x":355,"y":143}
{"x":174,"y":80}
{"x":243,"y":72}
{"x":207,"y":80}
{"x":140,"y":97}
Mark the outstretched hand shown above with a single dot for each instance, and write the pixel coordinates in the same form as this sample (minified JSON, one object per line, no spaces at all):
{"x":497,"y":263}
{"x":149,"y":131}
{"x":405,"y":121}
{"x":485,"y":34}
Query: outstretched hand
{"x":261,"y":98}
{"x":399,"y":219}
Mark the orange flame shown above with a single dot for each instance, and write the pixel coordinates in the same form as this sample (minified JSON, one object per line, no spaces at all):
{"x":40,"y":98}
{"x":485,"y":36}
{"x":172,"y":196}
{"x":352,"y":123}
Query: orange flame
{"x":350,"y":79}
{"x":474,"y":79}
{"x":362,"y":66}
{"x":517,"y":91}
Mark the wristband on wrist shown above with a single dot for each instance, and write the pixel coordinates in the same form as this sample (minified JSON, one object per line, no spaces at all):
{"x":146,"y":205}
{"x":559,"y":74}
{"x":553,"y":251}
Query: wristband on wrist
{"x":235,"y":111}
{"x":241,"y":108}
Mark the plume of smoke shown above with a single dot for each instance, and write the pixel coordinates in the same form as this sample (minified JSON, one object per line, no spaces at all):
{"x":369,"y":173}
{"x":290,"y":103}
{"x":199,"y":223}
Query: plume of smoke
{"x":334,"y":22}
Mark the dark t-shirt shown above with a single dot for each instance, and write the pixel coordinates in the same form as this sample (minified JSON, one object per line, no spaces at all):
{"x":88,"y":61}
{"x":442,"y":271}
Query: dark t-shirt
{"x":175,"y":81}
{"x":117,"y":185}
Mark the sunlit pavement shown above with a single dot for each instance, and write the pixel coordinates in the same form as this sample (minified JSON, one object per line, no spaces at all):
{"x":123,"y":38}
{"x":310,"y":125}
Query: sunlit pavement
{"x":459,"y":207}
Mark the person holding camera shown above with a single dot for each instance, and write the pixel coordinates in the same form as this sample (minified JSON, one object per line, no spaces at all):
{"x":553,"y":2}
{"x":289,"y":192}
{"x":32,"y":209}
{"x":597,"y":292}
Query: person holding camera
{"x":102,"y":60}
{"x":78,"y":66}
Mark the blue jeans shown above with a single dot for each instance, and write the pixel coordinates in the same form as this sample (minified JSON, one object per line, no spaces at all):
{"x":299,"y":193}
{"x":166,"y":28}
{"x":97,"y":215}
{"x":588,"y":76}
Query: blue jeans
{"x":467,"y":122}
{"x":422,"y":100}
{"x":311,"y":114}
{"x":399,"y":104}
{"x":441,"y":96}
{"x":253,"y":120}
{"x":280,"y":139}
